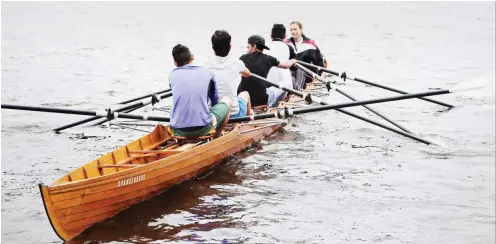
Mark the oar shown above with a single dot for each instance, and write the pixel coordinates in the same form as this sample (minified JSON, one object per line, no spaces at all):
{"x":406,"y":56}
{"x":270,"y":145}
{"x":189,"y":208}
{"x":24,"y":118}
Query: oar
{"x":318,"y":77}
{"x":122,"y":109}
{"x":103,"y":120}
{"x":82,"y":121}
{"x":319,"y":100}
{"x":112,"y":114}
{"x":344,"y":76}
{"x":109,"y":114}
{"x":145,"y":96}
{"x":128,"y":110}
{"x":288,"y":112}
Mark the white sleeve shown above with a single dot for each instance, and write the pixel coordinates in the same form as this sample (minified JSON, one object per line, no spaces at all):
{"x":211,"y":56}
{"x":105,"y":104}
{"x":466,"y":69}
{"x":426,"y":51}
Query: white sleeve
{"x":240,"y":66}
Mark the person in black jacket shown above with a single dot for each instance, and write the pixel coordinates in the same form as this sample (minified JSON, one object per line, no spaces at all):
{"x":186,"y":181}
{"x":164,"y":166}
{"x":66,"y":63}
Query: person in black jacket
{"x":306,"y":50}
{"x":259,"y":63}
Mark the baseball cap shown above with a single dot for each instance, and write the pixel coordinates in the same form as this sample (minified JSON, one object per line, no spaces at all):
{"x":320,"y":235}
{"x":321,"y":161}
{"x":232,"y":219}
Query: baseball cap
{"x":256,"y":39}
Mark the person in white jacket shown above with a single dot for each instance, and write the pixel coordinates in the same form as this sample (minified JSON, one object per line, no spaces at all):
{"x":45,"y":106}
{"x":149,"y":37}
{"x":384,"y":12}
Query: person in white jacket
{"x":282,"y":51}
{"x":227,"y":72}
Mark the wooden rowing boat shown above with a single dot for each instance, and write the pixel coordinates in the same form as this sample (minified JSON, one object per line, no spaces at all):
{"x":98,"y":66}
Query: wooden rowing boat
{"x":140,"y":170}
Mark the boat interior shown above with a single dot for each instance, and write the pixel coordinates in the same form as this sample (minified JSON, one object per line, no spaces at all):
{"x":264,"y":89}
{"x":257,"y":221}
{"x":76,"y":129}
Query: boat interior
{"x":157,"y":145}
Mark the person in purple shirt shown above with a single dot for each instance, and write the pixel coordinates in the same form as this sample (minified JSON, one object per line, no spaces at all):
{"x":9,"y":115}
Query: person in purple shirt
{"x":192,"y":86}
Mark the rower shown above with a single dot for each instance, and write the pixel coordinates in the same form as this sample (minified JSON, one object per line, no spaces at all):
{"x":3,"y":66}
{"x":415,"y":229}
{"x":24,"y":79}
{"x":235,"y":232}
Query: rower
{"x":191,"y":87}
{"x":281,"y":51}
{"x":227,"y":72}
{"x":259,"y":63}
{"x":307,"y":51}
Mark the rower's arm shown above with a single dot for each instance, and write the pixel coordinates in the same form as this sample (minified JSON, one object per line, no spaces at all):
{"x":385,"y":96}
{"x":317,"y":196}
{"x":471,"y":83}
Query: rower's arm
{"x":292,"y":55}
{"x":287,"y":64}
{"x":245,"y":73}
{"x":319,"y":58}
{"x":213,"y":93}
{"x":241,"y":68}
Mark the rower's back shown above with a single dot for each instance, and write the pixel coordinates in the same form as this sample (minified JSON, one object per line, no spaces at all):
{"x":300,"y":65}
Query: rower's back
{"x":190,"y":86}
{"x":282,"y":51}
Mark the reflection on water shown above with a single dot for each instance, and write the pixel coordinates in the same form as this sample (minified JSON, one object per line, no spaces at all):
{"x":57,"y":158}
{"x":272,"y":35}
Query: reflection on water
{"x":186,"y":210}
{"x":183,"y":207}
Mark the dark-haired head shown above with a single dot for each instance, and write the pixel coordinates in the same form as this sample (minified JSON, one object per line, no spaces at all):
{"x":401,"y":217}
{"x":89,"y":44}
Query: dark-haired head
{"x":221,"y":43}
{"x":278,"y":31}
{"x":181,"y":55}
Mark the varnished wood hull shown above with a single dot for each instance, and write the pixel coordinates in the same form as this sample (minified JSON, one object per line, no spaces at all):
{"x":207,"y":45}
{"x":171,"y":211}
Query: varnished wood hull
{"x":78,"y":200}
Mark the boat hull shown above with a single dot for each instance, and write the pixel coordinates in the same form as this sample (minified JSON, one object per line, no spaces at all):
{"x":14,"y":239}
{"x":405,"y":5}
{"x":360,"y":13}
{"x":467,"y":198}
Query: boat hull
{"x":73,"y":207}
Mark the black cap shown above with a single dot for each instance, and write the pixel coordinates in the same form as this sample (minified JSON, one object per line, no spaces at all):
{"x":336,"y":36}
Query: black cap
{"x":256,"y":39}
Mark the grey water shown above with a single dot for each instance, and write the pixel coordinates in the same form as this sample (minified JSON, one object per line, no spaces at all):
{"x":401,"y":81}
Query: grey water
{"x":327,"y":178}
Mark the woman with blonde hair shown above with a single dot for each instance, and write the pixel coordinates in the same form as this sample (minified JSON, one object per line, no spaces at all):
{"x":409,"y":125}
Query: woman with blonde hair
{"x":306,"y":50}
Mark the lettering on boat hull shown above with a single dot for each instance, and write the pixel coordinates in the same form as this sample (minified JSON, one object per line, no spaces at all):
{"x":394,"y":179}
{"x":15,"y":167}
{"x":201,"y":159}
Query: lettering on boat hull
{"x":131,"y":180}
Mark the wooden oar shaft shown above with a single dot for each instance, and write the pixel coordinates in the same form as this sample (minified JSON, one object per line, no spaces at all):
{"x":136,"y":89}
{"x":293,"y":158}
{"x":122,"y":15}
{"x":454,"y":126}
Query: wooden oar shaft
{"x":145,"y":96}
{"x":373,"y":84}
{"x":85,"y":112}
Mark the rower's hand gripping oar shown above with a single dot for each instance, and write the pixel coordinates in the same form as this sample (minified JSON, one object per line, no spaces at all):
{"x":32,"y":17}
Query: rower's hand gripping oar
{"x":306,"y":96}
{"x":344,"y":76}
{"x":315,"y":76}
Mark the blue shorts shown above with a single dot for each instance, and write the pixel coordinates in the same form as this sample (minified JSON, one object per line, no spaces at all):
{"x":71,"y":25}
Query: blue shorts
{"x":242,"y":109}
{"x":273,"y":97}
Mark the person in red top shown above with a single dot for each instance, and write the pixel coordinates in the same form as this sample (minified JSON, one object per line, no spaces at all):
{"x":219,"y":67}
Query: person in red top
{"x":306,"y":50}
{"x":259,"y":63}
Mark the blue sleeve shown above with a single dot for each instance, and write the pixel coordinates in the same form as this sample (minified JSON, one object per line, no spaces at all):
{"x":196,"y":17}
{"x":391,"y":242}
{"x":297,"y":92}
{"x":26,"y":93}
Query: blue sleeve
{"x":213,"y":93}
